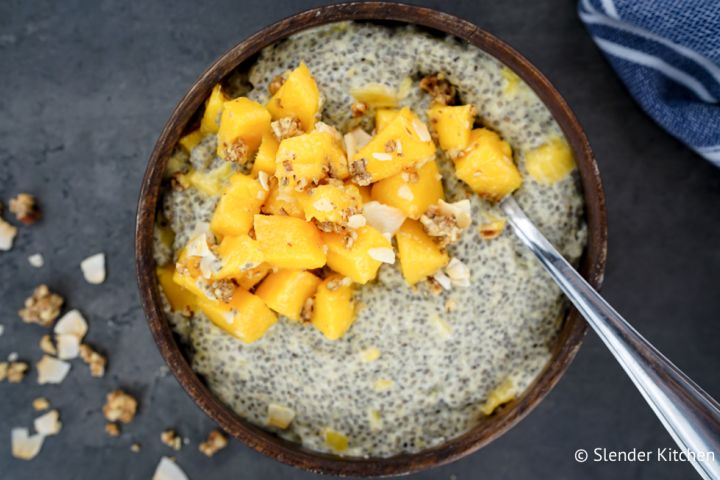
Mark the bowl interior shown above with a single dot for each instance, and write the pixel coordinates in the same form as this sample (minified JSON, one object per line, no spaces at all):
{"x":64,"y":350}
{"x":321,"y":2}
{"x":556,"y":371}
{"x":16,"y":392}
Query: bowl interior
{"x":573,"y":328}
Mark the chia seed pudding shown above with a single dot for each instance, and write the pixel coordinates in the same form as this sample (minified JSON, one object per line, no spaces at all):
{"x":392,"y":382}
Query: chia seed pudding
{"x":440,"y":354}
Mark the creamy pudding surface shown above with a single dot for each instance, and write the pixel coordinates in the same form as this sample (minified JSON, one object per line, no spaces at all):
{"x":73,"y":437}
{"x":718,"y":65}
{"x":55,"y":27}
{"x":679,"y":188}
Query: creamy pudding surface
{"x":418,"y":363}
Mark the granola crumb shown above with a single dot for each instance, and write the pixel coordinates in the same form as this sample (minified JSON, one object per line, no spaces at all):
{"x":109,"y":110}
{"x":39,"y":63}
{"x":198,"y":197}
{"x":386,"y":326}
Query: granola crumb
{"x":286,"y":127}
{"x":359,"y":173}
{"x":24,"y":208}
{"x":216,"y":441}
{"x":277,"y":82}
{"x":492,"y":229}
{"x":120,"y":406}
{"x":358,"y":109}
{"x":439,"y":88}
{"x":43,"y":307}
{"x":40,"y":404}
{"x":112,"y":429}
{"x":135,"y":447}
{"x":237,"y":151}
{"x":47,"y":345}
{"x":16,"y":371}
{"x":171,"y":439}
{"x":95,"y":360}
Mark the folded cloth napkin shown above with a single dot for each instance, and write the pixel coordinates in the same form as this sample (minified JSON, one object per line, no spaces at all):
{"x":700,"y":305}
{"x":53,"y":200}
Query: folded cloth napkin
{"x":667,"y":52}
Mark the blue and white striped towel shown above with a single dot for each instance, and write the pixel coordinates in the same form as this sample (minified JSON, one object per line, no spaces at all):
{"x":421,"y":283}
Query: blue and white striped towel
{"x":668,"y":54}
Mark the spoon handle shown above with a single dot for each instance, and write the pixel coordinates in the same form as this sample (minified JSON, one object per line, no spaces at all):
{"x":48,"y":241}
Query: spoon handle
{"x":691,"y":416}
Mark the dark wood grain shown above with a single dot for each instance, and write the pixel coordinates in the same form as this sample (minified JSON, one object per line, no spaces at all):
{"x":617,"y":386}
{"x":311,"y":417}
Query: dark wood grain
{"x":573,"y":329}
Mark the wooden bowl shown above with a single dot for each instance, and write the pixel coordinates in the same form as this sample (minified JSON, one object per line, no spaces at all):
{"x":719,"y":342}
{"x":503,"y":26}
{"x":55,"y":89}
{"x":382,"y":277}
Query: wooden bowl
{"x":573,"y":329}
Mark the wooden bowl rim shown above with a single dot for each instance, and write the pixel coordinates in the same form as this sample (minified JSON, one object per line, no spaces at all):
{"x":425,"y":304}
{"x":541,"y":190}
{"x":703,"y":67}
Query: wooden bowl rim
{"x":573,"y":330}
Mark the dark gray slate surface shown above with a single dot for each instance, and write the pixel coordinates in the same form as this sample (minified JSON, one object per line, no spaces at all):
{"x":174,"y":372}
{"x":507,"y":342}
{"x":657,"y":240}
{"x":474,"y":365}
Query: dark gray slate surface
{"x":84,"y":90}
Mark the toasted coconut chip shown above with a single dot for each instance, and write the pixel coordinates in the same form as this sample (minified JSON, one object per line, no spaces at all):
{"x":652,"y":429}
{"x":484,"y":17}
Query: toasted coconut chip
{"x":40,"y":404}
{"x":51,"y":370}
{"x":210,"y":265}
{"x":263,"y":179}
{"x":355,"y":140}
{"x":68,"y":346}
{"x":198,"y":246}
{"x":72,"y":323}
{"x":458,"y":272}
{"x":47,"y":345}
{"x":280,"y":416}
{"x":384,"y":218}
{"x":382,"y":157}
{"x":93,"y":268}
{"x":460,"y":210}
{"x":421,"y":131}
{"x":383,"y":254}
{"x":7,"y":235}
{"x":25,"y":446}
{"x":443,"y":280}
{"x":356,"y":221}
{"x":168,"y":470}
{"x":49,"y":423}
{"x":36,"y":260}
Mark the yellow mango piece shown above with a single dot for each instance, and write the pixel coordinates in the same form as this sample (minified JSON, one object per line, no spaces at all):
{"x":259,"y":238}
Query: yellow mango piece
{"x":412,"y":198}
{"x":452,"y":125}
{"x":249,"y":278}
{"x":376,"y":95}
{"x":189,"y":141}
{"x":286,"y":291}
{"x":550,"y":162}
{"x":187,"y":277}
{"x":503,"y":393}
{"x":487,"y":166}
{"x":403,"y":142}
{"x":331,"y":203}
{"x":245,"y":316}
{"x":298,"y":97}
{"x":243,"y":122}
{"x":210,"y":121}
{"x":280,"y":416}
{"x":238,"y":254}
{"x":234,"y":213}
{"x":383,"y":117}
{"x":289,"y":242}
{"x":265,"y":158}
{"x":333,"y":309}
{"x":309,"y":158}
{"x":420,"y":256}
{"x":210,"y":183}
{"x":512,"y":81}
{"x":356,"y":262}
{"x":282,"y":202}
{"x":180,"y":299}
{"x":335,"y":440}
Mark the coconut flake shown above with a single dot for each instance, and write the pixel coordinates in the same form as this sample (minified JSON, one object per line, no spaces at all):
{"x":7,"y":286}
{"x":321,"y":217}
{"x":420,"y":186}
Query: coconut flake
{"x":460,"y":210}
{"x":36,"y":260}
{"x":323,"y":205}
{"x":25,"y":446}
{"x":13,"y":356}
{"x":356,"y":221}
{"x":48,"y":424}
{"x":421,"y":130}
{"x":458,"y":272}
{"x":7,"y":235}
{"x":361,"y":137}
{"x":198,"y":246}
{"x":93,"y":268}
{"x":51,"y":370}
{"x":72,"y":323}
{"x":382,"y":157}
{"x":382,"y":254}
{"x":68,"y":346}
{"x":405,"y":193}
{"x":443,"y":280}
{"x":210,"y":265}
{"x":263,"y":179}
{"x":384,"y":218}
{"x":2,"y":329}
{"x":168,"y":470}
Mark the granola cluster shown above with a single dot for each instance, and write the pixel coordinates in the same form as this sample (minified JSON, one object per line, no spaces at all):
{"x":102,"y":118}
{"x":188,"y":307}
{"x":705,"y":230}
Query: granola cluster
{"x":43,"y":307}
{"x":120,"y":406}
{"x":440,"y":88}
{"x":24,"y":208}
{"x":216,"y":441}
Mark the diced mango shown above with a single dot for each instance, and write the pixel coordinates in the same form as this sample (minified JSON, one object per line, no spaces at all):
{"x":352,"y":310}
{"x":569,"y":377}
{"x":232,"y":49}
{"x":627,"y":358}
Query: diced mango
{"x":238,"y":254}
{"x":403,"y":142}
{"x":512,"y":81}
{"x":286,"y":291}
{"x":298,"y":97}
{"x":550,"y":162}
{"x":309,"y":158}
{"x":188,"y":276}
{"x":234,"y":213}
{"x":189,"y":141}
{"x":452,"y":125}
{"x":487,"y":166}
{"x":245,"y":316}
{"x":210,"y":121}
{"x":282,"y":202}
{"x":280,"y":416}
{"x":420,"y":256}
{"x":265,"y":158}
{"x":335,"y":440}
{"x":242,"y":126}
{"x":249,"y":278}
{"x":333,"y":309}
{"x":210,"y":183}
{"x":355,"y":262}
{"x":383,"y":117}
{"x":331,"y":203}
{"x":375,"y":95}
{"x":180,"y":299}
{"x":503,"y":393}
{"x":289,"y":242}
{"x":412,"y":197}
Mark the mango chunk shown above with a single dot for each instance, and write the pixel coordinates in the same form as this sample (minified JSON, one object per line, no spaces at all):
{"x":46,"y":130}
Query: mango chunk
{"x":190,"y":141}
{"x":238,"y":254}
{"x":383,"y":117}
{"x":280,"y":416}
{"x":242,"y":126}
{"x":309,"y":158}
{"x":187,"y":277}
{"x":281,"y":202}
{"x":286,"y":291}
{"x":411,"y":192}
{"x":335,"y":440}
{"x":210,"y":183}
{"x":403,"y":142}
{"x":249,"y":278}
{"x":356,"y":262}
{"x":452,"y":125}
{"x":298,"y":97}
{"x":420,"y":256}
{"x":245,"y":316}
{"x":550,"y":162}
{"x":487,"y":166}
{"x":333,"y":309}
{"x":375,"y":95}
{"x":210,"y":121}
{"x":265,"y":158}
{"x":331,"y":204}
{"x":180,"y":299}
{"x":503,"y":393}
{"x":234,"y":213}
{"x":289,"y":242}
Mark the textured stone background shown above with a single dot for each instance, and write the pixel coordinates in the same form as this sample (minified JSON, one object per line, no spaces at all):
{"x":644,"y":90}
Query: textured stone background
{"x":84,"y":90}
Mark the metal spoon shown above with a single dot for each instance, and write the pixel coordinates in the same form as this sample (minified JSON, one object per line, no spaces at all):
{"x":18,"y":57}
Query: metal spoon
{"x":690,"y":415}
